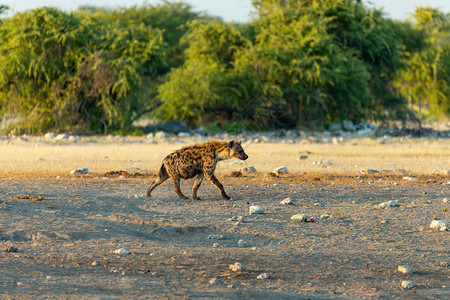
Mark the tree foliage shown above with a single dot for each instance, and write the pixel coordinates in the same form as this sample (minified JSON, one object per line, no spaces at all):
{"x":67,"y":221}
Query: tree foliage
{"x":297,"y":63}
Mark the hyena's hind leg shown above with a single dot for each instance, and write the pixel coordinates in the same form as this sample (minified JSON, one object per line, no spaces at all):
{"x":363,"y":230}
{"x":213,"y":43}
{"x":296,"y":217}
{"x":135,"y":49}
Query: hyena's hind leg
{"x":176,"y":182}
{"x":197,"y":183}
{"x":162,"y":176}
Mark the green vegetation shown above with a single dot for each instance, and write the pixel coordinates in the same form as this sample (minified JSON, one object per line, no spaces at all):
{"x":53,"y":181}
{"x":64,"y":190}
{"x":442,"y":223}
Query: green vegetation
{"x":298,"y":63}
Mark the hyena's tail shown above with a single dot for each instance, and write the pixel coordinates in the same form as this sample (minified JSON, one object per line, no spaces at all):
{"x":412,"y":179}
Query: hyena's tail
{"x":162,"y":176}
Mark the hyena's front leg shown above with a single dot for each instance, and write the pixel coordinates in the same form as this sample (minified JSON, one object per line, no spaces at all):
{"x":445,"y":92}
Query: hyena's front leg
{"x":197,"y":183}
{"x":209,"y":173}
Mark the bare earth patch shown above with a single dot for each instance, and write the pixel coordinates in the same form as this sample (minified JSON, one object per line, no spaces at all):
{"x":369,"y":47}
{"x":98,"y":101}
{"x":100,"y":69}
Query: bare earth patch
{"x":66,"y":228}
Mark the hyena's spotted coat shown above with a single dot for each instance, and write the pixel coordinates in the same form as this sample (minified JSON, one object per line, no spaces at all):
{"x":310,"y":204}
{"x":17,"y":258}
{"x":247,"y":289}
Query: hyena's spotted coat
{"x":197,"y":160}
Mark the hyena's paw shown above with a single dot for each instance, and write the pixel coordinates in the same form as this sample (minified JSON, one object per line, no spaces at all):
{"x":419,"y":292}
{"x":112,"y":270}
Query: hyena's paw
{"x":196,"y":198}
{"x":226,"y":197}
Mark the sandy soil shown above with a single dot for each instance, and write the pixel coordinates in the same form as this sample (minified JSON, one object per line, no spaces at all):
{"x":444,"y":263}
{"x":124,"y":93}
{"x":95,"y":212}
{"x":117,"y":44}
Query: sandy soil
{"x":354,"y":254}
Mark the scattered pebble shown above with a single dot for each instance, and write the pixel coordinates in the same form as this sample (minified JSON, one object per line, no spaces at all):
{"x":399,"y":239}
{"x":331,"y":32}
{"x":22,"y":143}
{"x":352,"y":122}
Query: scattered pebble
{"x":409,"y":178}
{"x":303,"y":157}
{"x":80,"y":171}
{"x":439,"y":224}
{"x":215,"y":236}
{"x":215,"y":280}
{"x":122,"y":251}
{"x":391,"y":203}
{"x":280,"y":170}
{"x":215,"y":245}
{"x":95,"y":263}
{"x":318,"y":204}
{"x":255,"y":210}
{"x":237,"y":218}
{"x":236,"y":267}
{"x":407,"y":284}
{"x":11,"y":249}
{"x":286,"y":201}
{"x":263,"y":276}
{"x":242,"y":243}
{"x":444,"y":264}
{"x":369,"y":171}
{"x":301,"y":217}
{"x":445,"y":200}
{"x":317,"y":162}
{"x":249,"y":169}
{"x":325,"y":216}
{"x":405,"y":269}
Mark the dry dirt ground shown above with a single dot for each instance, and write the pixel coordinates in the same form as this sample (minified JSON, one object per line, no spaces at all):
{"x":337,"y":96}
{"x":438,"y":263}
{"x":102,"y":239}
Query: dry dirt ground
{"x":355,"y":254}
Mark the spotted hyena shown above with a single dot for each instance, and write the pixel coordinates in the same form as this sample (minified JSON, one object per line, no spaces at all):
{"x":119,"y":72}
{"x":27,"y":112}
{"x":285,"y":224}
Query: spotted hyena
{"x":197,"y":160}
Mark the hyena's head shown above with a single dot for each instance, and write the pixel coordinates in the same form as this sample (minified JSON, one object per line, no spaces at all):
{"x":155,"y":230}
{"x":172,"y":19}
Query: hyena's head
{"x":236,"y":150}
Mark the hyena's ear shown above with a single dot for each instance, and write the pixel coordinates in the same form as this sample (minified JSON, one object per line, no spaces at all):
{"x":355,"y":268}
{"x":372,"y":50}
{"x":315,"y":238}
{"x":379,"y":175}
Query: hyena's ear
{"x":231,"y":144}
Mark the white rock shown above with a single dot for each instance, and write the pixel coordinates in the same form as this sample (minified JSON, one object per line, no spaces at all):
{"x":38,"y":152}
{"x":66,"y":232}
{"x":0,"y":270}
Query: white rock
{"x":409,"y":178}
{"x":80,"y":171}
{"x":263,"y":276}
{"x":317,"y":162}
{"x":184,"y":134}
{"x":242,"y":243}
{"x":237,"y":218}
{"x":391,"y":203}
{"x":215,"y":245}
{"x":50,"y":135}
{"x":405,"y":269}
{"x":215,"y":280}
{"x":301,"y":217}
{"x":407,"y":284}
{"x":445,"y":200}
{"x":254,"y":209}
{"x":161,"y":135}
{"x":318,"y":204}
{"x":62,"y":136}
{"x":249,"y":169}
{"x":122,"y":251}
{"x":325,"y":216}
{"x":215,"y":236}
{"x":286,"y":201}
{"x":369,"y":171}
{"x":439,"y":224}
{"x":280,"y":170}
{"x":95,"y":263}
{"x":236,"y":267}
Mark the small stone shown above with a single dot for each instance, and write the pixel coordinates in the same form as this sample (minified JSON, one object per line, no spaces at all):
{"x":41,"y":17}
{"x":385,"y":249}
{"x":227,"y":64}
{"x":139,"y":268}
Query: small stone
{"x":286,"y":201}
{"x":303,"y":157}
{"x":325,"y":216}
{"x":122,"y":251}
{"x":317,"y":162}
{"x":236,"y":267}
{"x":301,"y":217}
{"x":439,"y":224}
{"x":318,"y":204}
{"x":263,"y":276}
{"x":391,"y":203}
{"x":215,"y":236}
{"x":215,"y":280}
{"x":445,"y":200}
{"x":215,"y":245}
{"x":237,"y":218}
{"x":242,"y":243}
{"x":280,"y":170}
{"x":255,"y":210}
{"x":407,"y":284}
{"x":444,"y":263}
{"x":11,"y":249}
{"x":371,"y":182}
{"x":80,"y":171}
{"x":369,"y":171}
{"x":249,"y":169}
{"x":95,"y":263}
{"x":405,"y":269}
{"x":409,"y":178}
